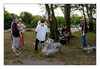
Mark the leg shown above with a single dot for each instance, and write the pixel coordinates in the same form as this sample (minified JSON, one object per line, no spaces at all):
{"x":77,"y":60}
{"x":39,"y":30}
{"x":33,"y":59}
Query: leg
{"x":68,"y":38}
{"x":19,"y":39}
{"x":36,"y":44}
{"x":42,"y":42}
{"x":15,"y":44}
{"x":84,"y":40}
{"x":23,"y":38}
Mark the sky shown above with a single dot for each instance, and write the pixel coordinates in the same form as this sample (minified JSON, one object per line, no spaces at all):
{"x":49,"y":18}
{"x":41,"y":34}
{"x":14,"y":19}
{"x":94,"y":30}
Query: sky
{"x":35,"y":9}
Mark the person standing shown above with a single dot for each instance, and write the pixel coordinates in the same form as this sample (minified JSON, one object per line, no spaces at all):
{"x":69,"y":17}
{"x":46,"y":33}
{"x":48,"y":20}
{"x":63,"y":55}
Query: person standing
{"x":84,"y":32}
{"x":41,"y":31}
{"x":15,"y":35}
{"x":21,"y":28}
{"x":39,"y":22}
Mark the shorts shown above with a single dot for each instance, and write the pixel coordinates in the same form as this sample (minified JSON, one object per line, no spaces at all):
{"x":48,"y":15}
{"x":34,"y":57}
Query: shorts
{"x":15,"y":41}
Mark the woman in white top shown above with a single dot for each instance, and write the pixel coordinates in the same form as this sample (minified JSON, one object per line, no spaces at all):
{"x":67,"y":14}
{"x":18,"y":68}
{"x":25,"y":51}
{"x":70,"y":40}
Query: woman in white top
{"x":21,"y":27}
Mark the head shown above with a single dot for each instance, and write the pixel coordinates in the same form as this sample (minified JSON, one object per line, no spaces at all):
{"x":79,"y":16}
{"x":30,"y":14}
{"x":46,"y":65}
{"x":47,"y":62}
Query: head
{"x":42,"y":20}
{"x":82,"y":21}
{"x":65,"y":26}
{"x":20,"y":21}
{"x":15,"y":20}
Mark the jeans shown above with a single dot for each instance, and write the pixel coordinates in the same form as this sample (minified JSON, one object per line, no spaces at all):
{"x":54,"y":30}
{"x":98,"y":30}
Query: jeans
{"x":84,"y":40}
{"x":36,"y":44}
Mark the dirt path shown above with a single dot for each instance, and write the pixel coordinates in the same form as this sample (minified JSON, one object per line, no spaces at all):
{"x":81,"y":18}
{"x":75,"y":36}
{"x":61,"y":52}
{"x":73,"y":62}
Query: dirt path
{"x":42,"y":62}
{"x":27,"y":61}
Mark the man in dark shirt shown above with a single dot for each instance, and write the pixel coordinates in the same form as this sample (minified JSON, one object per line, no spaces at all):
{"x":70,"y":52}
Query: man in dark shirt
{"x":64,"y":31}
{"x":84,"y":32}
{"x":15,"y":35}
{"x":15,"y":31}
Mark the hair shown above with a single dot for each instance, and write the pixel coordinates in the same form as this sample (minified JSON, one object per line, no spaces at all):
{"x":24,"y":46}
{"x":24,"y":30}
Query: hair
{"x":20,"y":20}
{"x":65,"y":25}
{"x":42,"y":20}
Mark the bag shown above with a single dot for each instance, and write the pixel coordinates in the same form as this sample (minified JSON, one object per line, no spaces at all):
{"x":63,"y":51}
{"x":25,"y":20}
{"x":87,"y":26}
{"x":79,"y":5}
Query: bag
{"x":62,"y":40}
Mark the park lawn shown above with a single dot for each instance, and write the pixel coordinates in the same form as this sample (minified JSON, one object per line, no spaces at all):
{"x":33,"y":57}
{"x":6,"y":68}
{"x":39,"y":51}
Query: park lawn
{"x":70,"y":54}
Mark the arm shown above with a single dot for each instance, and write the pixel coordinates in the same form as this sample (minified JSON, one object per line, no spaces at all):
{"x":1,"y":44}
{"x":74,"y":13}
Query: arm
{"x":60,"y":31}
{"x":36,"y":30}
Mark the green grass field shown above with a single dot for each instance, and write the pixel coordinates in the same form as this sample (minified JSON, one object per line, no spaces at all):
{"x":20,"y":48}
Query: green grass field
{"x":70,"y":54}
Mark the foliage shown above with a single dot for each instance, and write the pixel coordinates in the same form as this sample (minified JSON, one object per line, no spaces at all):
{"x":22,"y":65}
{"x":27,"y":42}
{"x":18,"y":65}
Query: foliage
{"x":34,"y":22}
{"x":75,"y":19}
{"x":60,"y":21}
{"x":26,"y":17}
{"x":8,"y":17}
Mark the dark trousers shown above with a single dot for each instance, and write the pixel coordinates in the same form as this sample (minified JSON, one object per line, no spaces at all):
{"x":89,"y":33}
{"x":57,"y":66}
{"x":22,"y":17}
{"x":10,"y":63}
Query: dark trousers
{"x":68,"y":37}
{"x":36,"y":43}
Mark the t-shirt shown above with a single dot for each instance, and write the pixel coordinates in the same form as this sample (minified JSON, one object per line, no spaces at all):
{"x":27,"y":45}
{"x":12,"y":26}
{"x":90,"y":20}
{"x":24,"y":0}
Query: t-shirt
{"x":41,"y":30}
{"x":22,"y":27}
{"x":15,"y":31}
{"x":84,"y":27}
{"x":64,"y":30}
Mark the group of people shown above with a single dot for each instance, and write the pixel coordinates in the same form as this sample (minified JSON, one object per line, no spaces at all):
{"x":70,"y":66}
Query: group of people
{"x":17,"y":31}
{"x":17,"y":34}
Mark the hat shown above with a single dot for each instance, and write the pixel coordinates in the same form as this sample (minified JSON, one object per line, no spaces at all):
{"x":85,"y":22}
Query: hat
{"x":82,"y":19}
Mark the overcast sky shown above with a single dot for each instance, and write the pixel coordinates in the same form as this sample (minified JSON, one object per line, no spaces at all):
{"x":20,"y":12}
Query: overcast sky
{"x":35,"y":9}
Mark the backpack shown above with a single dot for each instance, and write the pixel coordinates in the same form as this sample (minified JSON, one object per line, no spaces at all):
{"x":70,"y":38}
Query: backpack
{"x":62,"y":40}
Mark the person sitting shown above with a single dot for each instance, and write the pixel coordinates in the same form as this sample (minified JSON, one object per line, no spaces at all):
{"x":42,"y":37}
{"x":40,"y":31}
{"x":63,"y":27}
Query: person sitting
{"x":65,"y":32}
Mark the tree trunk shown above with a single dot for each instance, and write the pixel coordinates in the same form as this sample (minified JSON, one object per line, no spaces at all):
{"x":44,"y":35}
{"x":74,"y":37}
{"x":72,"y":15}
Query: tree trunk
{"x":89,"y":13}
{"x":67,"y":15}
{"x":53,"y":23}
{"x":83,"y":13}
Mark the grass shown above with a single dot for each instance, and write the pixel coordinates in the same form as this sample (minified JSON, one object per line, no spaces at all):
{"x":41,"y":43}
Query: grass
{"x":71,"y":53}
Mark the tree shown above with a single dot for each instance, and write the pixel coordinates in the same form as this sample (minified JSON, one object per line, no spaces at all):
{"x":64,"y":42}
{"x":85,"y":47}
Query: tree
{"x":91,"y":9}
{"x":34,"y":22}
{"x":8,"y":18}
{"x":67,"y":15}
{"x":52,"y":20}
{"x":26,"y":17}
{"x":75,"y":19}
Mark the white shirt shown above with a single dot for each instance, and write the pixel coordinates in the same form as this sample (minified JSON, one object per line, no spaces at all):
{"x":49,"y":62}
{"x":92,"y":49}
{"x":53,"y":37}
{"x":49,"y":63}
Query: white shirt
{"x":22,"y":27}
{"x":41,"y":31}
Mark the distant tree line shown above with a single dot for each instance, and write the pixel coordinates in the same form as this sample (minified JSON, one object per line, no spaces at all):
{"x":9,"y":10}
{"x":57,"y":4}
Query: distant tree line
{"x":55,"y":22}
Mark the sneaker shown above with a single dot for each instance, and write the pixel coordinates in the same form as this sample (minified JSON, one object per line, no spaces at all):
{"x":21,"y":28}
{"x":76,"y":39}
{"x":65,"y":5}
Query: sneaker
{"x":35,"y":50}
{"x":34,"y":44}
{"x":16,"y":53}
